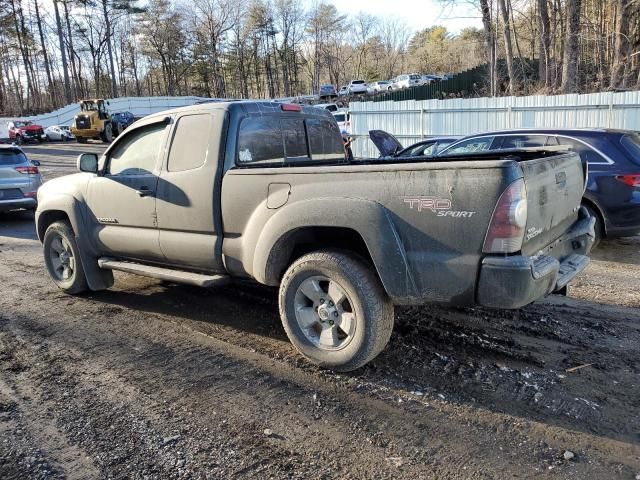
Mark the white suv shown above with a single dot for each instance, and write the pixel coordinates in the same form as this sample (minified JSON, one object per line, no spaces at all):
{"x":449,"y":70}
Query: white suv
{"x":407,"y":81}
{"x":357,"y":87}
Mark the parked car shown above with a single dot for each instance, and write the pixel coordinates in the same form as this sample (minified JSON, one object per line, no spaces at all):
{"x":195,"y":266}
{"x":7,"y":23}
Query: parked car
{"x":124,"y":119}
{"x":380,"y":86}
{"x":357,"y":87}
{"x":406,"y":81}
{"x":19,"y":179}
{"x":613,"y":189}
{"x":327,"y":90}
{"x":390,"y":147}
{"x":59,"y":133}
{"x":343,"y":119}
{"x":344,"y":91}
{"x":23,"y":131}
{"x":331,"y":107}
{"x":345,"y":241}
{"x":427,"y":79}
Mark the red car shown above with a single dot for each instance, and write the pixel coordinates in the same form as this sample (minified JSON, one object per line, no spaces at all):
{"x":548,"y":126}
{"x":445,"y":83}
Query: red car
{"x":21,"y":131}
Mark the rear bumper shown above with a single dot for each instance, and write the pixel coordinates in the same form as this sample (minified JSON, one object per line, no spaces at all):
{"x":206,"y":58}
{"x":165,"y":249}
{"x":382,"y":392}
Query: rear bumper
{"x":516,"y":281}
{"x":17,"y":203}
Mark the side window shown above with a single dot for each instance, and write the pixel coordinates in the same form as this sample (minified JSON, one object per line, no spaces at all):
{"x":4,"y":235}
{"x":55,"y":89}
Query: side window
{"x":137,"y":152}
{"x":190,"y":143}
{"x":470,"y":146}
{"x":586,"y":153}
{"x":295,"y":139}
{"x":552,"y":142}
{"x":259,"y":141}
{"x":523,"y":141}
{"x":325,"y":141}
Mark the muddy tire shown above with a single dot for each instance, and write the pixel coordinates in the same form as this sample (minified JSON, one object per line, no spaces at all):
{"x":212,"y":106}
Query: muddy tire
{"x":62,"y":258}
{"x":599,"y":229}
{"x":334,"y":310}
{"x":107,"y":134}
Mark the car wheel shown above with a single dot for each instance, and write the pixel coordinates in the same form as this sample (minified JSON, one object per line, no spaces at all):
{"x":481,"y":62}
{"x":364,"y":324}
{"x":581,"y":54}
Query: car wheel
{"x":19,"y":140}
{"x":599,"y":228}
{"x":334,"y":310}
{"x":62,"y":258}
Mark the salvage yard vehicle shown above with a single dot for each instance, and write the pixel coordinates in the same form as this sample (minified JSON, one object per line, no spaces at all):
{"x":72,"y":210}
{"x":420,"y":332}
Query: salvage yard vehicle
{"x":389,"y":146}
{"x":260,"y":190}
{"x":23,"y":131}
{"x":94,"y":122}
{"x":612,"y":196}
{"x":19,"y":179}
{"x":58,"y":132}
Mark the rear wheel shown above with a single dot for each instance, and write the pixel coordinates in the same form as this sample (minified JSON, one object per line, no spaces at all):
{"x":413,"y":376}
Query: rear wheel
{"x":599,"y":228}
{"x":335,"y":311}
{"x":62,"y":258}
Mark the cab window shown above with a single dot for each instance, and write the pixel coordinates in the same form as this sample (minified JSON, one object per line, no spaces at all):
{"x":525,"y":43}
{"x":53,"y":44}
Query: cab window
{"x":472,"y":145}
{"x":190,"y":143}
{"x":137,"y":153}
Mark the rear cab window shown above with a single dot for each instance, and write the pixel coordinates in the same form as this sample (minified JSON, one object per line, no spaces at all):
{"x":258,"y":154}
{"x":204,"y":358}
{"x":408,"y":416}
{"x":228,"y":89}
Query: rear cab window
{"x":274,"y":140}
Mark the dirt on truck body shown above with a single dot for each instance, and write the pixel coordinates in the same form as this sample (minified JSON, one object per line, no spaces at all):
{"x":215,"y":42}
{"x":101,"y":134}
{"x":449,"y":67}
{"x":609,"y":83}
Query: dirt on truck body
{"x":151,"y":379}
{"x":257,"y":190}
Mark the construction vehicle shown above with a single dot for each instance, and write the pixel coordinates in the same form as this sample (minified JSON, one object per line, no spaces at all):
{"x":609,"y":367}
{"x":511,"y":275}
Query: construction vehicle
{"x":94,"y":121}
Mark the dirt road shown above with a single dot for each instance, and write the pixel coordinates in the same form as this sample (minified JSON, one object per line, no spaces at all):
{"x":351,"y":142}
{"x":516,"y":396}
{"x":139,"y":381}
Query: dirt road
{"x":154,"y":380}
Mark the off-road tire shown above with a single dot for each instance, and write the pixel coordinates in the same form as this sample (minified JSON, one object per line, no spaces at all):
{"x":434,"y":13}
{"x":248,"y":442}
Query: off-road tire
{"x":107,"y":134}
{"x":77,"y":283}
{"x":599,"y":230}
{"x":373,"y":308}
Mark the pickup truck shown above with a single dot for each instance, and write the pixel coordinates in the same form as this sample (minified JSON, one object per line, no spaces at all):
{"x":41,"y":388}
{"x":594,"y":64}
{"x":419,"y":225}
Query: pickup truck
{"x":259,"y":190}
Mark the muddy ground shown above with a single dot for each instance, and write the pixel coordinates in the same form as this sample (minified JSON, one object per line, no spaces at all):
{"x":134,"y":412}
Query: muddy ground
{"x":153,"y":380}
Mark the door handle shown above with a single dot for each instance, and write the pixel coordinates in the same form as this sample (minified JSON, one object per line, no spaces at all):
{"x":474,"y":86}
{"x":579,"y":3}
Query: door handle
{"x":144,"y":192}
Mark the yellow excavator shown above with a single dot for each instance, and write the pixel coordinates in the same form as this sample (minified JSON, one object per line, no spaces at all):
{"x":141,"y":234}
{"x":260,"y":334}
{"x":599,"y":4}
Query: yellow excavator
{"x":94,"y":121}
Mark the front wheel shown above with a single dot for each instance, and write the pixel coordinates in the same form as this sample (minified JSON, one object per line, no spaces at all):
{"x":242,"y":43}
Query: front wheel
{"x":62,"y":258}
{"x":334,"y":310}
{"x":107,"y":134}
{"x":19,"y":140}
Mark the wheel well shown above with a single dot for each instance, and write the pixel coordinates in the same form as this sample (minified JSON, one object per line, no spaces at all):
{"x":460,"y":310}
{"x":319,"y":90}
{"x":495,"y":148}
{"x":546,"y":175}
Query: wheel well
{"x":47,"y":218}
{"x":299,"y":242}
{"x":595,"y":208}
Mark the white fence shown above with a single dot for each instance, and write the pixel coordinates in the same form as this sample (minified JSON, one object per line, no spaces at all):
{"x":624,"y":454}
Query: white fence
{"x":139,"y":106}
{"x":411,"y":120}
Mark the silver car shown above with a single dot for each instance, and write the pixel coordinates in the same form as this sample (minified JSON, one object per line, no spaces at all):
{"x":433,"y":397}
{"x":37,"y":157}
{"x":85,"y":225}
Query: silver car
{"x":19,"y":179}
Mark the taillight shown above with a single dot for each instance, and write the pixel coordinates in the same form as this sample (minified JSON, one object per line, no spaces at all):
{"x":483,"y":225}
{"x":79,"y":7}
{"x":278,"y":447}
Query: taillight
{"x":631,"y":180}
{"x":506,"y":230}
{"x":30,"y":194}
{"x":27,"y":170}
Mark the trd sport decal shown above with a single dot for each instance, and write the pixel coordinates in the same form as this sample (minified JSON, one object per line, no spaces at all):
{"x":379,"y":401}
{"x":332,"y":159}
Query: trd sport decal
{"x":440,"y":206}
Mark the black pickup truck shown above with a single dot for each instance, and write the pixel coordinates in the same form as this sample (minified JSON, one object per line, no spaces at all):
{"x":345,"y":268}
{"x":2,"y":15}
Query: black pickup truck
{"x":262,"y":190}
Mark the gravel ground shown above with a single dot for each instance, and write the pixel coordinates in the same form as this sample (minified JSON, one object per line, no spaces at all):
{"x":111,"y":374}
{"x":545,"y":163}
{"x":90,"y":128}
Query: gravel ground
{"x":154,"y":380}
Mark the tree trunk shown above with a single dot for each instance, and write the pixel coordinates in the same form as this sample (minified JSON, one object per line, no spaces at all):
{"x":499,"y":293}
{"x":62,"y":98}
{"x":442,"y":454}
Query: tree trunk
{"x":489,"y":39}
{"x":63,"y":55}
{"x":107,"y":24}
{"x":621,"y":49}
{"x":544,"y":32}
{"x":52,"y":93}
{"x":507,"y":44}
{"x":570,"y":64}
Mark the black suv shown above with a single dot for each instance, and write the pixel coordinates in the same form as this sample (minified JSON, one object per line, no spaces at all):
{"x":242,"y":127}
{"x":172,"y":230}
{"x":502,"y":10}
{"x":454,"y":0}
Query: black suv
{"x":613,"y":187}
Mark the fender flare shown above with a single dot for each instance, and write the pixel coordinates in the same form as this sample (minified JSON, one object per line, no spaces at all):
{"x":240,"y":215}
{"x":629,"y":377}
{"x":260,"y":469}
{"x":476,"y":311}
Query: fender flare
{"x":371,"y":220}
{"x":97,"y":278}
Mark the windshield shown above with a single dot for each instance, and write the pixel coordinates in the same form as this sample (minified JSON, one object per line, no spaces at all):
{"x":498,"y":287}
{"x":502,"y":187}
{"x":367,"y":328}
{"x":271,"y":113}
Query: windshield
{"x":11,"y":157}
{"x":89,"y":107}
{"x":414,"y":77}
{"x":357,"y":82}
{"x":21,"y":124}
{"x":339,"y":118}
{"x":631,"y":143}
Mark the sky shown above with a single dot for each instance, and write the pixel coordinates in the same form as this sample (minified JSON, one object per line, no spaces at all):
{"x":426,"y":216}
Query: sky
{"x":417,"y":14}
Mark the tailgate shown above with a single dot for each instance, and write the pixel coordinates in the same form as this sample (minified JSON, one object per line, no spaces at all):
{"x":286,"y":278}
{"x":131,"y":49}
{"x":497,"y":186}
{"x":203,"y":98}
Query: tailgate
{"x":554,"y":192}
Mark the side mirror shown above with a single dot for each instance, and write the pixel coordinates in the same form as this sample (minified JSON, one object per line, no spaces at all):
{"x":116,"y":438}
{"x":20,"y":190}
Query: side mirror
{"x":88,"y":162}
{"x":35,"y":163}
